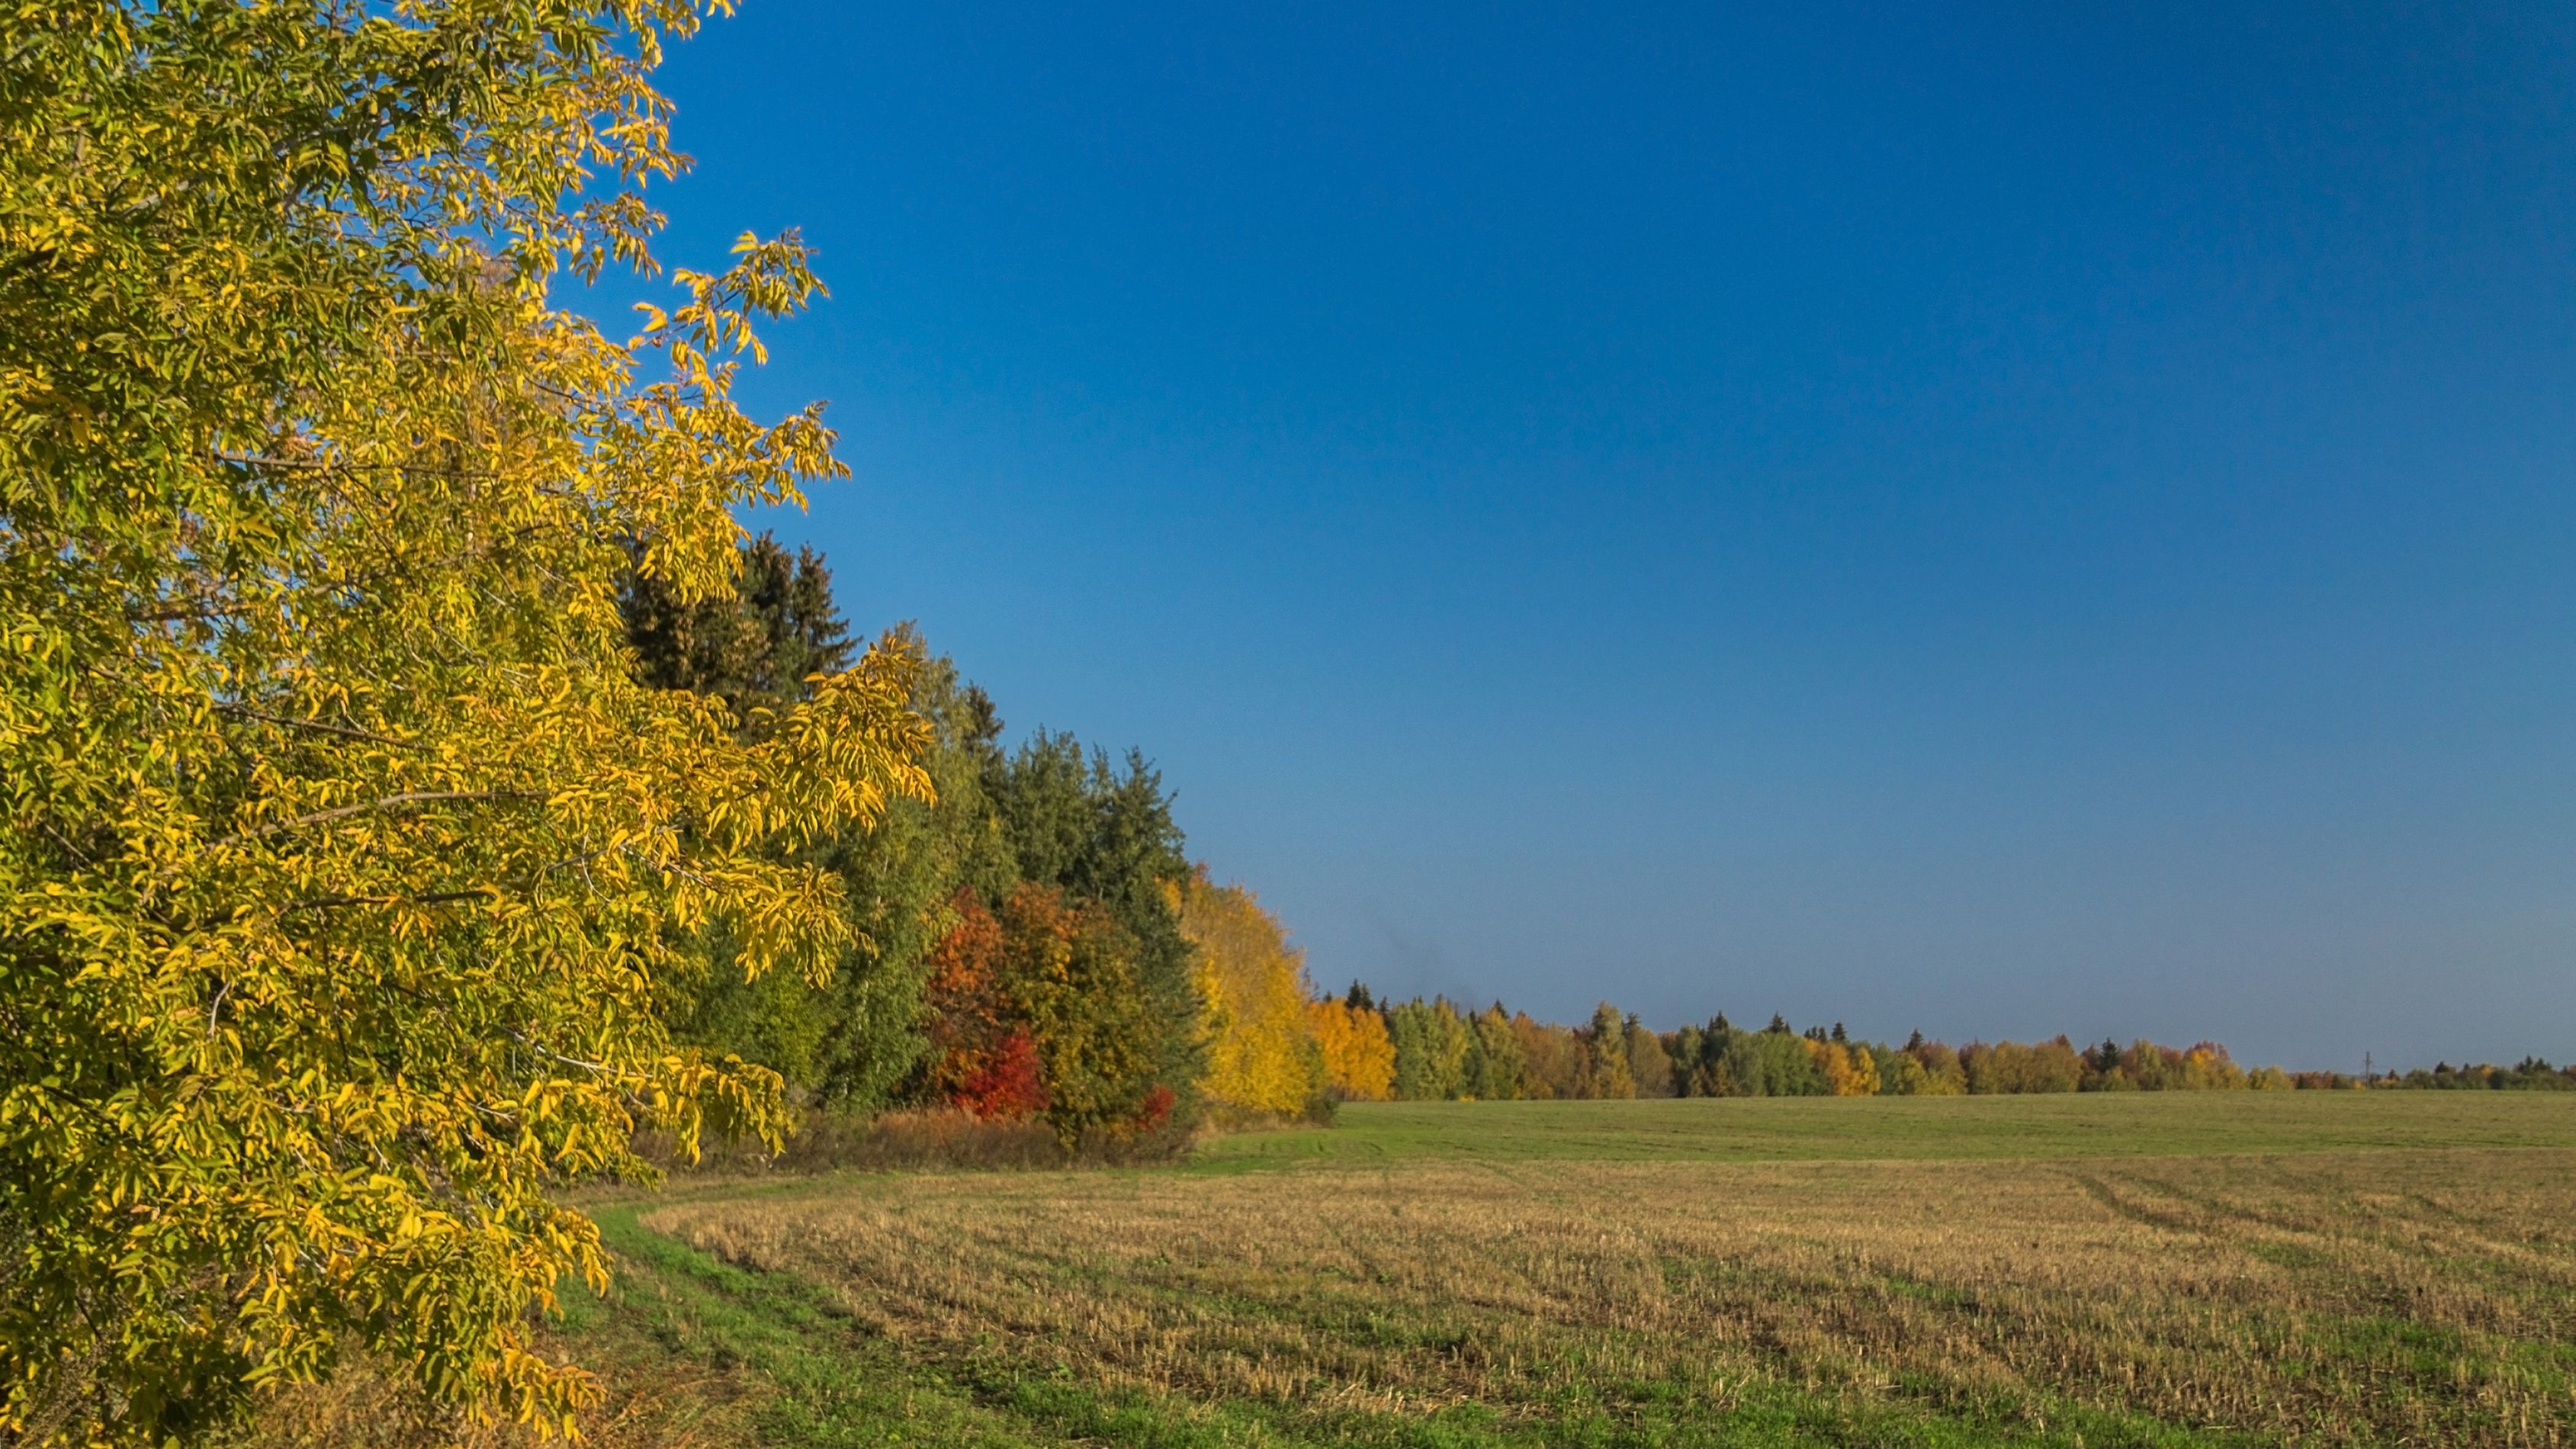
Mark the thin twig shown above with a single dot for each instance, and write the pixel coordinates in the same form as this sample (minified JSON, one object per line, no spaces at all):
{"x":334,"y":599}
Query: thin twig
{"x":522,"y":1038}
{"x":432,"y":898}
{"x":408,"y":797}
{"x":350,"y":731}
{"x":340,"y":465}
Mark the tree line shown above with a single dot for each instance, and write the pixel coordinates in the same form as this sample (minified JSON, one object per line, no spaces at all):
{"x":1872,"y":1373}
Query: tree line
{"x":1435,"y":1050}
{"x":1034,"y":942}
{"x":1030,"y":940}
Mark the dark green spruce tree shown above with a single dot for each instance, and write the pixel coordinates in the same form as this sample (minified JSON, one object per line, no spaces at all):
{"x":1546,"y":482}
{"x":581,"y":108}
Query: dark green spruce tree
{"x":854,"y":1042}
{"x":1106,"y":834}
{"x":757,"y":648}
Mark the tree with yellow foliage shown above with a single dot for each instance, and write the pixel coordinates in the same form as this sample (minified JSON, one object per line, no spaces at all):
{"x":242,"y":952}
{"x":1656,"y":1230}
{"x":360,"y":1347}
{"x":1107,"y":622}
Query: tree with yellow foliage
{"x":1262,"y":1053}
{"x":344,"y":857}
{"x":1605,"y":1045}
{"x":1848,"y":1068}
{"x":1359,"y":1057}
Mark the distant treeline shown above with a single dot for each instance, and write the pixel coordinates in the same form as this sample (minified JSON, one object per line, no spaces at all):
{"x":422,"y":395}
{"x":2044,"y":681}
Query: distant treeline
{"x":1436,"y":1051}
{"x":1036,"y":944}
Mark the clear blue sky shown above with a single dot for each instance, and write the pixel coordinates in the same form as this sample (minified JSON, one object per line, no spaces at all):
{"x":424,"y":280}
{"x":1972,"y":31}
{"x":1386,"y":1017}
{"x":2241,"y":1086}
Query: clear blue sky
{"x":1995,"y":520}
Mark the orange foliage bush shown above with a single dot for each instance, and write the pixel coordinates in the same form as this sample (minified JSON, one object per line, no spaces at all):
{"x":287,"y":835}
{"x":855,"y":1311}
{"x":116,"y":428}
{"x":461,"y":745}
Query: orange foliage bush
{"x":1359,"y":1059}
{"x":982,"y":1059}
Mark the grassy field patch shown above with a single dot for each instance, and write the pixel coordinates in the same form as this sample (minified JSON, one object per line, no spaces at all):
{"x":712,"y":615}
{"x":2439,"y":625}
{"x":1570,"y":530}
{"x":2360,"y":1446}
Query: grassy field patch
{"x":2026,"y":1271}
{"x":2115,"y":1124}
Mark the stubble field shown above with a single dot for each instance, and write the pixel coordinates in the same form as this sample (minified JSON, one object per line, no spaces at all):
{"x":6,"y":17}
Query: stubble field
{"x":2246,"y":1269}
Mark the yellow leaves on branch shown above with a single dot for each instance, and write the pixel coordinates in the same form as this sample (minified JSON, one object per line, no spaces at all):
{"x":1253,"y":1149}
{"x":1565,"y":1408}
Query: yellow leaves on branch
{"x":342,"y":852}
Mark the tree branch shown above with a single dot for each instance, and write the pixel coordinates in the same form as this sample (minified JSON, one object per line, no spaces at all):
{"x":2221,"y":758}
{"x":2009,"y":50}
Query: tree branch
{"x":408,"y":797}
{"x":523,"y":1040}
{"x":432,"y":898}
{"x":314,"y":724}
{"x":334,"y":465}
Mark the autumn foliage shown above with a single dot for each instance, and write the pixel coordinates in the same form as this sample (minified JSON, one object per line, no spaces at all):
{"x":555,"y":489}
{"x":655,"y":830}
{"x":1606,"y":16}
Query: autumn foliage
{"x":348,"y":868}
{"x":1034,"y":1011}
{"x":1263,"y":1053}
{"x":982,"y":1057}
{"x":1436,"y":1051}
{"x":1359,"y":1060}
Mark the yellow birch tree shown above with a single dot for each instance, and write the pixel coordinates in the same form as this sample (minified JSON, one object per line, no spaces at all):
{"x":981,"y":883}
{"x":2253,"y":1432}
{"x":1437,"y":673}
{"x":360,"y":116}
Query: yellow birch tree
{"x":1359,"y":1057}
{"x":1262,"y":1054}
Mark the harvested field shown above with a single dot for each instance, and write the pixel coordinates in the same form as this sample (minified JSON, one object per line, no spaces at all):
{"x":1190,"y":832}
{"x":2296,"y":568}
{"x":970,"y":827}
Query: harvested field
{"x":1455,"y":1275}
{"x":2395,"y":1296}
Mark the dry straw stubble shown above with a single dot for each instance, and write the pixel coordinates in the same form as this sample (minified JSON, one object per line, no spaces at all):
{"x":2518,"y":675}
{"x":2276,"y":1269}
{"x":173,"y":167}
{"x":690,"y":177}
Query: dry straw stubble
{"x":2413,"y":1296}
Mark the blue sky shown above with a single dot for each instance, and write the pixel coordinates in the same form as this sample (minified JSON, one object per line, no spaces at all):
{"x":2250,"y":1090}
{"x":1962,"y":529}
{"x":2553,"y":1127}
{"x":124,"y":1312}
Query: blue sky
{"x":1995,"y":520}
